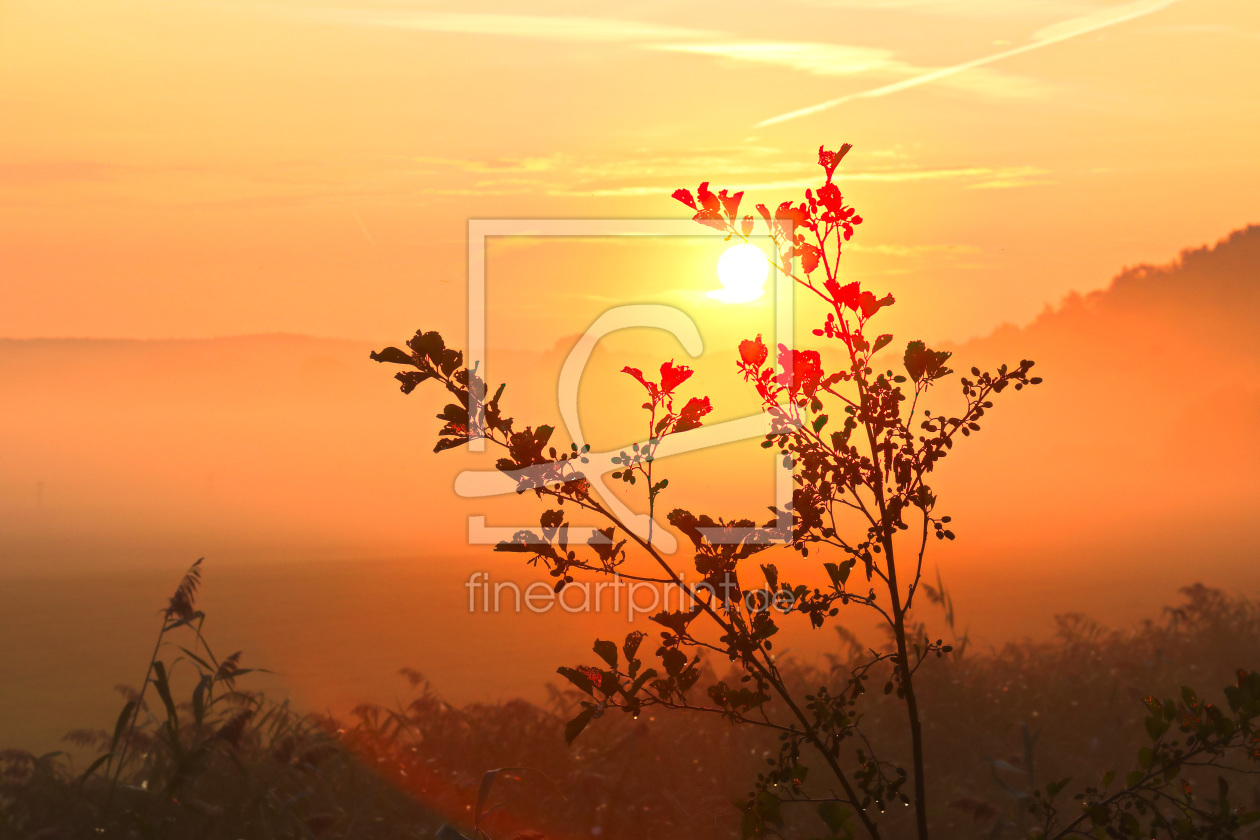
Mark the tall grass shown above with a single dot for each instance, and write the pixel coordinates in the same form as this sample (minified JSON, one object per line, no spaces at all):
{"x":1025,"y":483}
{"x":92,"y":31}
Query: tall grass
{"x":195,"y":754}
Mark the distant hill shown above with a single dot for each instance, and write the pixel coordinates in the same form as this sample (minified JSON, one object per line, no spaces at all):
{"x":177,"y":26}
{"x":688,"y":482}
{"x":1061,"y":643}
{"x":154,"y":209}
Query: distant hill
{"x":1209,"y":294}
{"x":1134,"y":466}
{"x":1152,"y":380}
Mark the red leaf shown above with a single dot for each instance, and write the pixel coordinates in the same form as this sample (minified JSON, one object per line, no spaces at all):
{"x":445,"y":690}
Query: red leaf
{"x":712,"y":218}
{"x":809,"y":257}
{"x":870,"y":305}
{"x":849,"y":295}
{"x":710,"y":201}
{"x":747,"y":225}
{"x":790,"y":219}
{"x":685,"y":197}
{"x":753,"y":352}
{"x":730,"y":203}
{"x":689,"y":417}
{"x":808,"y":370}
{"x":830,"y":160}
{"x":638,"y":374}
{"x":786,"y":213}
{"x":673,"y":375}
{"x":802,"y":370}
{"x":830,"y":197}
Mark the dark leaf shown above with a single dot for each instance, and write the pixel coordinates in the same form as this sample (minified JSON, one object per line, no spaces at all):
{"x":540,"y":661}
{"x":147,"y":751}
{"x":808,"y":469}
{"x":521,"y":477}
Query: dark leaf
{"x":574,"y":728}
{"x":579,"y":679}
{"x":607,"y":651}
{"x":411,"y":378}
{"x":428,"y":345}
{"x":395,"y":356}
{"x":449,"y":443}
{"x":922,"y":363}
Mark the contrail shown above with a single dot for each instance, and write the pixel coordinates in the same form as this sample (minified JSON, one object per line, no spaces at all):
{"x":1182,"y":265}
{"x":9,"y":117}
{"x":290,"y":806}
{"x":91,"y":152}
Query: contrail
{"x":1064,"y":31}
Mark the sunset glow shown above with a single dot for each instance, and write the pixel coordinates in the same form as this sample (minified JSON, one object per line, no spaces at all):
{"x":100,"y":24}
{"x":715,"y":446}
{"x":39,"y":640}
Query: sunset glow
{"x":742,"y":270}
{"x":281,"y":280}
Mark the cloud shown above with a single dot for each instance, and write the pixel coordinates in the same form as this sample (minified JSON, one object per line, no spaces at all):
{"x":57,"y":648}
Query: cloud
{"x":1097,"y":20}
{"x":817,"y":59}
{"x":992,"y":176}
{"x":820,"y":59}
{"x":1044,"y":37}
{"x":546,"y":27}
{"x":496,"y":166}
{"x":986,"y":81}
{"x":732,"y":161}
{"x":843,"y":60}
{"x":912,"y":250}
{"x":898,"y":175}
{"x":1208,"y":29}
{"x":967,"y":8}
{"x":1009,"y":183}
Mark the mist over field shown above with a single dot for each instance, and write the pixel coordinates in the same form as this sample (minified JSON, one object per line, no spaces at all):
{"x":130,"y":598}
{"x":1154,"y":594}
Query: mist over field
{"x":336,"y":547}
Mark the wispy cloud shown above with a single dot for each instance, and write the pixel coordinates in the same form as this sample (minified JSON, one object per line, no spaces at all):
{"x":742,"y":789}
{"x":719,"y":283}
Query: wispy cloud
{"x":821,"y":59}
{"x":1010,"y":183}
{"x":1053,"y":34}
{"x":1101,"y":19}
{"x":911,"y":250}
{"x":738,"y":161}
{"x":634,"y":174}
{"x":844,"y":60}
{"x":968,"y":8}
{"x":991,"y":177}
{"x":1209,"y":29}
{"x":817,"y":59}
{"x":996,"y":84}
{"x":548,"y":27}
{"x":494,"y":166}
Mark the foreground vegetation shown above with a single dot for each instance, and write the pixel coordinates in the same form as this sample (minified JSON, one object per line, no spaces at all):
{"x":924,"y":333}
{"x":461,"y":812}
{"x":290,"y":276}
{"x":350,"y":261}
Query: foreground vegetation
{"x":195,"y":754}
{"x":863,"y":435}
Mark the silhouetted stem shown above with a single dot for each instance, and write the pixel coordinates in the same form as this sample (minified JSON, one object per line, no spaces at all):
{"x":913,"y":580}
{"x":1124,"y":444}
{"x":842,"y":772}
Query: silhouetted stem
{"x":771,"y":677}
{"x":907,"y":686}
{"x":858,"y":367}
{"x":899,"y":624}
{"x":135,"y":713}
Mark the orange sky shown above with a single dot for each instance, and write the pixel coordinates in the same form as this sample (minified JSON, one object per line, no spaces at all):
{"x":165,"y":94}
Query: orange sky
{"x":213,"y":168}
{"x":198,"y":168}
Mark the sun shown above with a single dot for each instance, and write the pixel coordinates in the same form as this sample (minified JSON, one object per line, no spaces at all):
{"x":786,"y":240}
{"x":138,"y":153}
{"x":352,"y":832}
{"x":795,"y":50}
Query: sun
{"x":742,"y":270}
